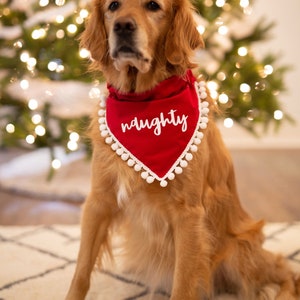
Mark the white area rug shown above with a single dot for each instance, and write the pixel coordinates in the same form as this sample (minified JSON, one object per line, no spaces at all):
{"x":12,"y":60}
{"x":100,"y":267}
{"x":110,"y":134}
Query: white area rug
{"x":37,"y":263}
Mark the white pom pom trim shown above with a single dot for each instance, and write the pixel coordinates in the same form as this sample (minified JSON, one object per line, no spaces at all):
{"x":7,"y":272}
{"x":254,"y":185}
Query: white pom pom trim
{"x":182,"y":161}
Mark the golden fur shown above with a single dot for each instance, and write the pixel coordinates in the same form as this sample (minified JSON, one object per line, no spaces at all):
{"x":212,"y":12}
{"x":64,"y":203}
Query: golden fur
{"x":192,"y":238}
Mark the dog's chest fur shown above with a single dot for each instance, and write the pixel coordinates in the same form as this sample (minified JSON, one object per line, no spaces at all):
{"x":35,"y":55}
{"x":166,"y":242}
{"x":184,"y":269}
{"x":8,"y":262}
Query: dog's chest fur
{"x":149,"y":244}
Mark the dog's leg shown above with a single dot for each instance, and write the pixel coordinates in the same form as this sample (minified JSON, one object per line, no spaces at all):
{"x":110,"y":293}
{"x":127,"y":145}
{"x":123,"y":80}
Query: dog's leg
{"x":192,"y":276}
{"x":95,"y":221}
{"x":274,"y":279}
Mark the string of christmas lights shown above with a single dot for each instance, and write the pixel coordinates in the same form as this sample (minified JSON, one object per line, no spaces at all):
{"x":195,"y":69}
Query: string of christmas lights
{"x":39,"y":54}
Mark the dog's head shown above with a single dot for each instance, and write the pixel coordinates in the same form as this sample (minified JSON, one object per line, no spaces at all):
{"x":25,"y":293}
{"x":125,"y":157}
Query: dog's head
{"x":141,"y":33}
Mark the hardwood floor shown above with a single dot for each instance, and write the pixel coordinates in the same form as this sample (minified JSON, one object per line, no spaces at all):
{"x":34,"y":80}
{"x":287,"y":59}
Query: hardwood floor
{"x":268,"y":183}
{"x":21,"y":210}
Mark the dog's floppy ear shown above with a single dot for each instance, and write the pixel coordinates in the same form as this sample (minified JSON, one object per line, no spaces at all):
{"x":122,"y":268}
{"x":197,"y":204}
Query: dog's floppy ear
{"x":183,"y":36}
{"x":94,"y":37}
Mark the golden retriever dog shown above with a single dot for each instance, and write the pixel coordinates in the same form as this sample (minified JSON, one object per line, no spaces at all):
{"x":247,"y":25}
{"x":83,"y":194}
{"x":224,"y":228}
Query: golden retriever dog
{"x":183,"y":226}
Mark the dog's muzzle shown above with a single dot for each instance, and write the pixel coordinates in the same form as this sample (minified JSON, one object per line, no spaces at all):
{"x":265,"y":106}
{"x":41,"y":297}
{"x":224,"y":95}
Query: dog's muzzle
{"x":124,"y":30}
{"x":126,"y":46}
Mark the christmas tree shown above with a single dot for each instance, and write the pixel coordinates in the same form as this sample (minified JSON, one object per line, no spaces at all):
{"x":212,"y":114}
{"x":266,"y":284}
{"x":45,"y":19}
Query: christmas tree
{"x":47,"y":93}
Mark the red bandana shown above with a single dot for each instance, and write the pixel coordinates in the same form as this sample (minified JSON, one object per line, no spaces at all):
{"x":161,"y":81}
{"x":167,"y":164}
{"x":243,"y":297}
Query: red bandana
{"x":156,"y":131}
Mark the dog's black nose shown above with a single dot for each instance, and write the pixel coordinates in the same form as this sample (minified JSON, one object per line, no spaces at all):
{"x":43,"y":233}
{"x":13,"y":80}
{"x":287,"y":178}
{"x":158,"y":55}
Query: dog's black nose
{"x":124,"y":25}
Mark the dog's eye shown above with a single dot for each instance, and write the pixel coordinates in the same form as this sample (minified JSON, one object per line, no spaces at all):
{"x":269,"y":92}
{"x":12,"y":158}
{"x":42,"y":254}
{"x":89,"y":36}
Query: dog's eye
{"x":114,"y":6}
{"x":153,"y":6}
